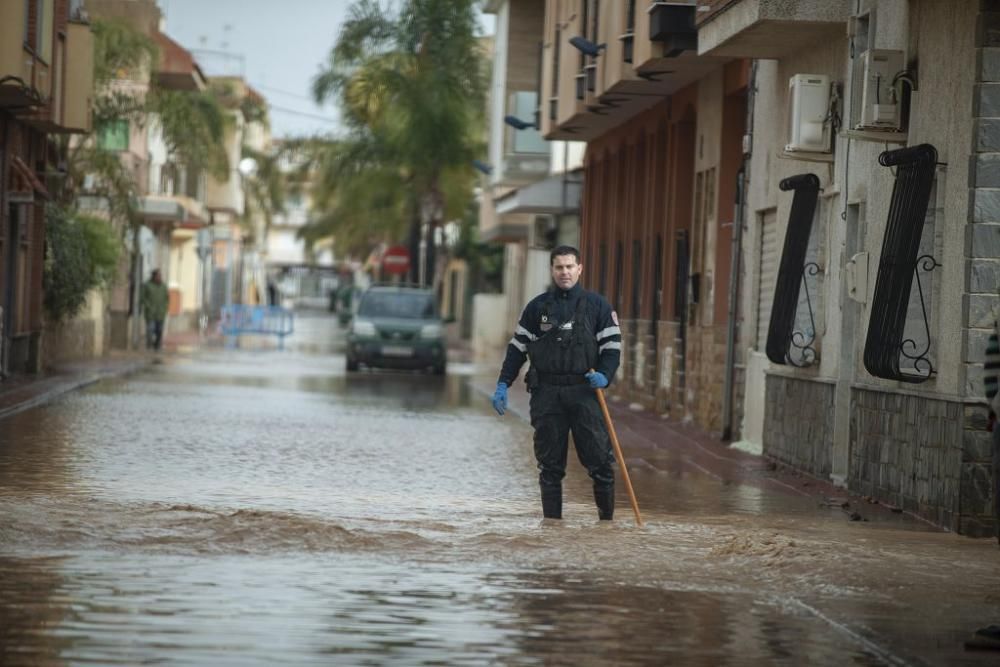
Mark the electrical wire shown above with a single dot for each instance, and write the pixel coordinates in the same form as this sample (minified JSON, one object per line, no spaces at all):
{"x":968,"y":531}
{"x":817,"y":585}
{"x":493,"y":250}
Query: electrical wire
{"x":303,"y":114}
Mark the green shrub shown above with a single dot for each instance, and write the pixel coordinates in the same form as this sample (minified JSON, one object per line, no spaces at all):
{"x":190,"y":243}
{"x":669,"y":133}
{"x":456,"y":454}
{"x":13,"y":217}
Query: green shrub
{"x":81,"y":254}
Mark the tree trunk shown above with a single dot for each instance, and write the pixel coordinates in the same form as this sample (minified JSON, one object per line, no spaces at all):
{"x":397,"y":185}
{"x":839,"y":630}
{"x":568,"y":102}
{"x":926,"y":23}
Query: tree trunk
{"x":430,"y":257}
{"x":414,"y":243}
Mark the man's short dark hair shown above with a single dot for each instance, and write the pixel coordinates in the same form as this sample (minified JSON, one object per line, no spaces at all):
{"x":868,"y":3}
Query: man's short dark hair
{"x":564,"y":250}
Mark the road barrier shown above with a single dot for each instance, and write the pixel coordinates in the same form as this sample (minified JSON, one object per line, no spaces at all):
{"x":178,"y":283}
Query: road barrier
{"x":238,"y":320}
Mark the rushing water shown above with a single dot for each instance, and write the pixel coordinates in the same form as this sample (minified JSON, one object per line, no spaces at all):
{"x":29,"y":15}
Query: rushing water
{"x":260,"y":508}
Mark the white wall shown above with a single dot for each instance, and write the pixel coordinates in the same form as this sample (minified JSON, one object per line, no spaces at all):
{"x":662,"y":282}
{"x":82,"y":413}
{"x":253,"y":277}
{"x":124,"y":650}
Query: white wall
{"x":490,"y":330}
{"x":939,"y":38}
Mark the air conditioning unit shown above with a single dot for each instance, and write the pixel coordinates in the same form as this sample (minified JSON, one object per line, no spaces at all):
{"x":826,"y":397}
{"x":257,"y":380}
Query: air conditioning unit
{"x":875,"y":103}
{"x":809,"y":106}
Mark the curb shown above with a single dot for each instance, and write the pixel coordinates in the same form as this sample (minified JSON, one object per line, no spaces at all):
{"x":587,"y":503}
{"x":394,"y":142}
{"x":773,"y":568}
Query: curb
{"x":71,"y":383}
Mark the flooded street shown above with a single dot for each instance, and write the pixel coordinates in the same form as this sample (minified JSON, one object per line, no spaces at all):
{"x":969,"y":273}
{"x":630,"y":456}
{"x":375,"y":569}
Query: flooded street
{"x":257,"y":507}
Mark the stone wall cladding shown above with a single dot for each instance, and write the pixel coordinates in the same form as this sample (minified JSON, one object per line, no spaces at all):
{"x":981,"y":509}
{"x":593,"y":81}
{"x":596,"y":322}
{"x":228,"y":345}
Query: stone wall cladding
{"x":706,"y":365}
{"x":973,"y":486}
{"x":691,"y":390}
{"x":976,"y":492}
{"x":907,"y":451}
{"x":798,"y":423}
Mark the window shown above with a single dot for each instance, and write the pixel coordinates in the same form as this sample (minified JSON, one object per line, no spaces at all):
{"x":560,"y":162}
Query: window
{"x":628,"y":39}
{"x":113,"y":136}
{"x":39,"y":14}
{"x":657,"y":281}
{"x":77,"y":12}
{"x":402,"y":305}
{"x":556,"y":49}
{"x":595,"y":36}
{"x":524,"y":103}
{"x":554,"y":92}
{"x":703,"y":245}
{"x":603,"y":274}
{"x":768,"y":256}
{"x":619,"y":274}
{"x":636,"y":278}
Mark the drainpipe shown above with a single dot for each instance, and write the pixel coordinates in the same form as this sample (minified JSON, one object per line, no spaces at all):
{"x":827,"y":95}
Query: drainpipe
{"x":734,"y":274}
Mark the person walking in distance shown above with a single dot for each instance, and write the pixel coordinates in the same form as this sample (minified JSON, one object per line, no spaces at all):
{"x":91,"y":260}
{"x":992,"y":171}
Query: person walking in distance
{"x":153,"y":301}
{"x":573,"y":341}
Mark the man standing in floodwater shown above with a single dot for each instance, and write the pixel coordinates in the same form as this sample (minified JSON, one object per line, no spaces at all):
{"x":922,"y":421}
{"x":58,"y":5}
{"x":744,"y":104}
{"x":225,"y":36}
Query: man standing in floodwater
{"x":572,"y":338}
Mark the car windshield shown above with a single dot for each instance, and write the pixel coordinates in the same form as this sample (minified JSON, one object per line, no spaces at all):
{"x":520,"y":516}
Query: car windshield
{"x":412,"y":305}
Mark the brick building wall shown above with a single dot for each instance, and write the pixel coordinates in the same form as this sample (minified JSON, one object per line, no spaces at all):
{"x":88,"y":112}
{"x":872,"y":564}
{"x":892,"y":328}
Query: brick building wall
{"x":907,"y":450}
{"x":798,"y":423}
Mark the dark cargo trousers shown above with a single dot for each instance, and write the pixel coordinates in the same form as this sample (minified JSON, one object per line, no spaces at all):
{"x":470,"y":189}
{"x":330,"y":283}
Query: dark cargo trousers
{"x":555,"y":412}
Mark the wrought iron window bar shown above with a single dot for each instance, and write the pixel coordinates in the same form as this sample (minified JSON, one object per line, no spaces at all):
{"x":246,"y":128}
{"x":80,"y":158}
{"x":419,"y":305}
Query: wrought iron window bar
{"x":785,"y":344}
{"x":900,"y":263}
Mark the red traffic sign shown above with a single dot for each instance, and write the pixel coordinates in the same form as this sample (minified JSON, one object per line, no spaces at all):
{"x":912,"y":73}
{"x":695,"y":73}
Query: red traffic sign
{"x":396,"y":260}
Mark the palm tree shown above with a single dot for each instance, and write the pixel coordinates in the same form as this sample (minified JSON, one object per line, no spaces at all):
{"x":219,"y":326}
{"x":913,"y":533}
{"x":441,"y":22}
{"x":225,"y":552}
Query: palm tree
{"x":193,"y":125}
{"x":411,"y":89}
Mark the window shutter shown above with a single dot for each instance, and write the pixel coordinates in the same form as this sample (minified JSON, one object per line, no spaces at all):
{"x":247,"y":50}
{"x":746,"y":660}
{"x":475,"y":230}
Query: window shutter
{"x":770,"y":256}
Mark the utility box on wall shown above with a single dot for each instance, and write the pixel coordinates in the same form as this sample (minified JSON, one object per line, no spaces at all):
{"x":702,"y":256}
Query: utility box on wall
{"x":876,"y":102}
{"x":808,"y":106}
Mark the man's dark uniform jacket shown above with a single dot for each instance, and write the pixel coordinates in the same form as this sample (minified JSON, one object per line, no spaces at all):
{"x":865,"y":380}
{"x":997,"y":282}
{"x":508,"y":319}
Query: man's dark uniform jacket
{"x":556,"y":312}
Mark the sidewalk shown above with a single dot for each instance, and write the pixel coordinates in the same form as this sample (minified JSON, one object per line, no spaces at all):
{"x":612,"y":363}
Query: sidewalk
{"x":652,"y":443}
{"x":25,"y":392}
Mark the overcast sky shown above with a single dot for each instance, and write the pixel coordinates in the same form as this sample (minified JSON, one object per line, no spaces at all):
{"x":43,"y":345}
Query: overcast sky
{"x":277,"y":45}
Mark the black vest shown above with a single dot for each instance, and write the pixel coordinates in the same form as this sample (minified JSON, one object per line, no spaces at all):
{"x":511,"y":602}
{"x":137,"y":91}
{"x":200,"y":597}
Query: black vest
{"x":562,"y":351}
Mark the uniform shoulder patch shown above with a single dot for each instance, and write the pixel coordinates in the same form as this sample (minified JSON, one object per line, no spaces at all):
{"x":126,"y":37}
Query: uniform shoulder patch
{"x":614,"y":317}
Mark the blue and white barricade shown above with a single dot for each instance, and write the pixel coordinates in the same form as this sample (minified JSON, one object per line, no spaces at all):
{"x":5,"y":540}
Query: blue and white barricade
{"x":237,"y":320}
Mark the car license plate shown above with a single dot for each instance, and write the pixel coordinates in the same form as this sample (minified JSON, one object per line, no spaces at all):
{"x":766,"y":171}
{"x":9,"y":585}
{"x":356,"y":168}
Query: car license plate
{"x":397,"y":351}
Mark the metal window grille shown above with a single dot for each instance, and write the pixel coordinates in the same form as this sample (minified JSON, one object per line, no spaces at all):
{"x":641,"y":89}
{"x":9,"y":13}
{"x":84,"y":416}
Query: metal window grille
{"x":886,"y":344}
{"x":786,"y":345}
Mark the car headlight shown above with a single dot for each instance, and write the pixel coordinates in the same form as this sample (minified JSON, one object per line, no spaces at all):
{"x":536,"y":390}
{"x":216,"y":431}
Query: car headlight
{"x":431,"y":331}
{"x":363,"y":328}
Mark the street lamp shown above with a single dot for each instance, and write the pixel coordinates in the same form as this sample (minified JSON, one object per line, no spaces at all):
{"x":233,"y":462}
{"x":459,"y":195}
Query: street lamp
{"x":517,"y":123}
{"x":204,"y":248}
{"x":247,"y":167}
{"x":587,"y":47}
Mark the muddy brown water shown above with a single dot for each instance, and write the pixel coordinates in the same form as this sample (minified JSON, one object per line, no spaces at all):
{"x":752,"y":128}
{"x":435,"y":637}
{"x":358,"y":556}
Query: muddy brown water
{"x":261,"y":508}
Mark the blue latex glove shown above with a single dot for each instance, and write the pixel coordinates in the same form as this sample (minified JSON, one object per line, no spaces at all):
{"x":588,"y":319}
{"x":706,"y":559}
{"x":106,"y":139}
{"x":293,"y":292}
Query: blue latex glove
{"x":500,"y":398}
{"x":596,"y":379}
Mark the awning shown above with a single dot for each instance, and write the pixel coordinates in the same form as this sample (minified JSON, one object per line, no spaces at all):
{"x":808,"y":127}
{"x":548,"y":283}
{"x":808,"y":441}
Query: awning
{"x":555,"y":195}
{"x":504,"y":233}
{"x":182,"y":211}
